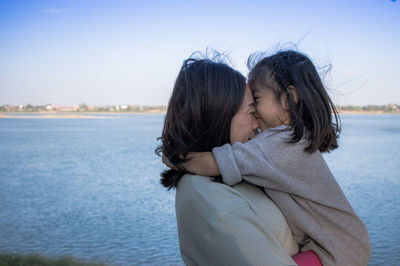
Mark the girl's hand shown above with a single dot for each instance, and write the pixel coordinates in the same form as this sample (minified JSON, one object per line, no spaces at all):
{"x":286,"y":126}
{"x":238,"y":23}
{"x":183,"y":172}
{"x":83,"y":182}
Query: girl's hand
{"x":199,"y":163}
{"x":167,"y":163}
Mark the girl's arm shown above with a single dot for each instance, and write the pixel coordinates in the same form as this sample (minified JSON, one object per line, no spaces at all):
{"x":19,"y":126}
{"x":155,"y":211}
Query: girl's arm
{"x":270,"y":161}
{"x":262,"y":161}
{"x":234,"y":161}
{"x":222,"y":161}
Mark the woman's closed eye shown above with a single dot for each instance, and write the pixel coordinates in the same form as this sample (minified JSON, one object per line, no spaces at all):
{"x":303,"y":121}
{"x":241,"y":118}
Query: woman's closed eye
{"x":252,"y":108}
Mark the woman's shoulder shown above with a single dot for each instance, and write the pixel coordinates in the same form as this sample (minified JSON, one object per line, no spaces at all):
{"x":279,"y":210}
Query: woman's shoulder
{"x":207,"y":205}
{"x":203,"y":194}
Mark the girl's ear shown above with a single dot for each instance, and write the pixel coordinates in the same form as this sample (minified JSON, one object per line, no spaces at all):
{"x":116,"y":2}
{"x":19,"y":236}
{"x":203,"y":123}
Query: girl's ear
{"x":291,"y":90}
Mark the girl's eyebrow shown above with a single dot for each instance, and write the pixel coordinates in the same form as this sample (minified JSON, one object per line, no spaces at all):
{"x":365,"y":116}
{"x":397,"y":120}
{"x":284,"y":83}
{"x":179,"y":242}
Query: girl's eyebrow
{"x":251,"y":105}
{"x":255,"y":90}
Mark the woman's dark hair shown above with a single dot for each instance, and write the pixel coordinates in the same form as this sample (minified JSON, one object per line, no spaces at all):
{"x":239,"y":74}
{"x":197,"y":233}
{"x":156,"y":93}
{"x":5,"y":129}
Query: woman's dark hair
{"x":314,"y":107}
{"x":206,"y":96}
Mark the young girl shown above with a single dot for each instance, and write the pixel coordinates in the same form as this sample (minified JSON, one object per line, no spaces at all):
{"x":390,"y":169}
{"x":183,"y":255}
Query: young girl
{"x":295,"y":116}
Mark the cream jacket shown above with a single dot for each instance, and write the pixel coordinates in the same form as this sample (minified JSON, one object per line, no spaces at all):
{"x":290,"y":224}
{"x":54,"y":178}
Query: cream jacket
{"x":222,"y":225}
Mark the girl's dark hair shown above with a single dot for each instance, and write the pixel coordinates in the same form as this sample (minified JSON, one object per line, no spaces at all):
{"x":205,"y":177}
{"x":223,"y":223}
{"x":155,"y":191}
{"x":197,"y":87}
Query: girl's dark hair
{"x":206,"y":96}
{"x":314,"y":108}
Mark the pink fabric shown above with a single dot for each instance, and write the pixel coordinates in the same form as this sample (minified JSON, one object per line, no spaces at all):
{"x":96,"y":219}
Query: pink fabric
{"x":307,"y":258}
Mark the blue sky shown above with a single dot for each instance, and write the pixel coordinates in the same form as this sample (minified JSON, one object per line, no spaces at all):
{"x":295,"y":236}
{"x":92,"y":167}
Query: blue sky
{"x":129,"y":52}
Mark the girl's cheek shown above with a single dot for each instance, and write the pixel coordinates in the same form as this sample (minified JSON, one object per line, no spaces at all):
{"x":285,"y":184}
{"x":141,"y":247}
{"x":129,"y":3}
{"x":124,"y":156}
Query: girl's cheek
{"x":257,"y":110}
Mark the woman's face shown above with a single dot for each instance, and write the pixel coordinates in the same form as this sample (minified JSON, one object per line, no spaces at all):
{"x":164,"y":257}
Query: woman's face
{"x":244,"y":123}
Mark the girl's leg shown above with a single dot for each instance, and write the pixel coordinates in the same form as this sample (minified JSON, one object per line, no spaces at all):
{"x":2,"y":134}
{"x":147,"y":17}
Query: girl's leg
{"x":307,"y":258}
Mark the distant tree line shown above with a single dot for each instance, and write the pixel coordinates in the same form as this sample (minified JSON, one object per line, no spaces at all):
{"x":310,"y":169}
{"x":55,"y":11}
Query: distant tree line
{"x":389,"y":108}
{"x":84,"y":108}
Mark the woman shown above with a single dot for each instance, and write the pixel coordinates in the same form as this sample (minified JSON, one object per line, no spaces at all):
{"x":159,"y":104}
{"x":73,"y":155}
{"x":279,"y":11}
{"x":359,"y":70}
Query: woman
{"x":210,"y":106}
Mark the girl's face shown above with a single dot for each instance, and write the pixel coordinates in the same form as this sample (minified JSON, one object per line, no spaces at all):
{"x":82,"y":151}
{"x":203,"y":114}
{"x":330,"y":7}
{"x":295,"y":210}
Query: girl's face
{"x":269,"y":112}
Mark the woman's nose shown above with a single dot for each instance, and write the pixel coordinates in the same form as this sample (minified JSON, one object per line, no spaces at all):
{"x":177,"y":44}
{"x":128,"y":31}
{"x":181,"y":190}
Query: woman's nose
{"x":255,"y":123}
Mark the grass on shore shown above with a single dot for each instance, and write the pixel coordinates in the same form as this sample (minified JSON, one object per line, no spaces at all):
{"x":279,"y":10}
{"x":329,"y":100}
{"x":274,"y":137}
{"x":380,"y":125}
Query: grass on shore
{"x":39,"y":260}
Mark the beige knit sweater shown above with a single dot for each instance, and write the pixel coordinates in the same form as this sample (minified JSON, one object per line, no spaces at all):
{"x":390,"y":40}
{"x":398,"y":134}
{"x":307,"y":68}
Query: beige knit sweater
{"x":305,"y":190}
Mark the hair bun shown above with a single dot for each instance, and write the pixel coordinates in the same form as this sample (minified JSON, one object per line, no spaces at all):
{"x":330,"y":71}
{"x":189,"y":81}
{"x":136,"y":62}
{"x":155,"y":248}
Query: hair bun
{"x":170,"y":178}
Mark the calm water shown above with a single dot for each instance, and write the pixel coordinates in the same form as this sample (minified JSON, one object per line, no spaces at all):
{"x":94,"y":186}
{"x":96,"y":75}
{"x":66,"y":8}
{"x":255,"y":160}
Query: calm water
{"x":89,"y":187}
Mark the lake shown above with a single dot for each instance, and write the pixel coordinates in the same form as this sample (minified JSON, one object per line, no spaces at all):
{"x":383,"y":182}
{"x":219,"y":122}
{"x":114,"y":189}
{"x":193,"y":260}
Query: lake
{"x":90,"y":187}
